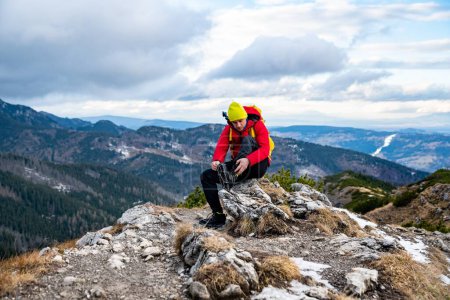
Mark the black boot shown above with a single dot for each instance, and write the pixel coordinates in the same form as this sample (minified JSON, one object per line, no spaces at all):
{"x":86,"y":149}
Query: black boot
{"x":217,"y":220}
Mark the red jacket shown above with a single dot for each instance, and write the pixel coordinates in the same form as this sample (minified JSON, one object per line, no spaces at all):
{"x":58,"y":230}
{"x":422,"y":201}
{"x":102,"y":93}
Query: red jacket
{"x":261,"y":137}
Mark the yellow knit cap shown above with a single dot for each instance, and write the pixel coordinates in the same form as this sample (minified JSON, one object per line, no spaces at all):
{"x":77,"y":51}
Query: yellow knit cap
{"x":236,"y":112}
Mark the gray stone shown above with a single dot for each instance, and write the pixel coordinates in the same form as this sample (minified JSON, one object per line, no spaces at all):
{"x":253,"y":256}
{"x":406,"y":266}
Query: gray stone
{"x":360,"y":281}
{"x":309,"y":192}
{"x":69,"y":280}
{"x":107,"y":236}
{"x":155,"y":251}
{"x":247,"y":199}
{"x":318,"y":292}
{"x":98,"y":292}
{"x":117,"y":247}
{"x":103,"y":242}
{"x":44,"y":251}
{"x":199,"y":291}
{"x":58,"y":259}
{"x":117,"y":261}
{"x":232,"y":291}
{"x":140,"y":214}
{"x":89,"y":239}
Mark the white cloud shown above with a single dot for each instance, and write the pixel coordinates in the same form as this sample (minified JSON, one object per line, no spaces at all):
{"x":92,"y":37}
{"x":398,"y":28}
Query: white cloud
{"x":90,"y":46}
{"x":271,"y":57}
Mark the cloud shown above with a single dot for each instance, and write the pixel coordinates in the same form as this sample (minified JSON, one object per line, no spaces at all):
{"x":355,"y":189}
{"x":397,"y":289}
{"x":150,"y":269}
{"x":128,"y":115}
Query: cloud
{"x":271,"y":57}
{"x":398,"y":64}
{"x":387,"y":92}
{"x":341,"y":81}
{"x":91,"y":46}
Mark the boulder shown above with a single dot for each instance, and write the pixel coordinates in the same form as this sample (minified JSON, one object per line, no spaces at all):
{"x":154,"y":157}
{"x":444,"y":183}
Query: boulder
{"x":247,"y":199}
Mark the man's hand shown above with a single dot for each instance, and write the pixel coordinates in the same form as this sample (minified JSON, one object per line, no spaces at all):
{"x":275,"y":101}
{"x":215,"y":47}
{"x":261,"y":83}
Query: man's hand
{"x":241,"y":165}
{"x":214,"y":165}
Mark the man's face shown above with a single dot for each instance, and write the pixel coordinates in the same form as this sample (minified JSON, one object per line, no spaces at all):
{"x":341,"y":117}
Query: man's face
{"x":239,"y":125}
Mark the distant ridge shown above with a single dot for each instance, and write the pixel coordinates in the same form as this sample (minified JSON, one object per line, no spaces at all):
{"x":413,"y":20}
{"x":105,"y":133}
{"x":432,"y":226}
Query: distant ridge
{"x":136,"y":123}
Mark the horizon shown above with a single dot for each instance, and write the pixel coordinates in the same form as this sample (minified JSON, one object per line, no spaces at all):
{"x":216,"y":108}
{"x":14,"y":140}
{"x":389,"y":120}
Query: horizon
{"x":362,"y":64}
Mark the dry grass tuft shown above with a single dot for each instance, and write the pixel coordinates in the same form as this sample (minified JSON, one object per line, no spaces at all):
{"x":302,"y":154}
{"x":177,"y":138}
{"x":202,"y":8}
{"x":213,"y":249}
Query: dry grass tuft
{"x":412,"y":279}
{"x":182,"y":231}
{"x":270,"y":224}
{"x":117,"y":228}
{"x":242,"y":227}
{"x":275,"y":194}
{"x":277,"y":271}
{"x":218,"y":276}
{"x":66,"y":245}
{"x":217,"y":243}
{"x":287,"y":210}
{"x":21,"y":269}
{"x":333,"y":222}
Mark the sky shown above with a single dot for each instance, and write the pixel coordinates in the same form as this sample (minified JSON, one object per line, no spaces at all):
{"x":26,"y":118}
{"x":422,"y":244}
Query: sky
{"x":366,"y":64}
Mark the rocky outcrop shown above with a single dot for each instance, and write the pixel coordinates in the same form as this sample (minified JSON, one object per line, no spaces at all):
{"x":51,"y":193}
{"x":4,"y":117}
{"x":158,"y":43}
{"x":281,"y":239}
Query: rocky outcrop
{"x":248,"y":200}
{"x":145,"y":255}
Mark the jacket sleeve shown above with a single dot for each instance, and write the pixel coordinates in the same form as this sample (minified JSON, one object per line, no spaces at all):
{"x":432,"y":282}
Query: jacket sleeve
{"x":262,"y":138}
{"x":222,"y":145}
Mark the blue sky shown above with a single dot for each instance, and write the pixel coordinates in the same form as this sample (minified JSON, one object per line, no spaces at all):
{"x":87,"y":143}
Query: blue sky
{"x":371,"y":64}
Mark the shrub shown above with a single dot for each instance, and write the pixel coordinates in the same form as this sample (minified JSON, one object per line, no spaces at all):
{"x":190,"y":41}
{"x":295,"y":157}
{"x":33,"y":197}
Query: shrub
{"x":405,"y":198}
{"x":285,"y":179}
{"x":363,"y":203}
{"x":195,"y":199}
{"x":429,"y":226}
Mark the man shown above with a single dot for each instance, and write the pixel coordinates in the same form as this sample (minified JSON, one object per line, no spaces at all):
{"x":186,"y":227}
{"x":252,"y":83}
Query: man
{"x":248,"y":139}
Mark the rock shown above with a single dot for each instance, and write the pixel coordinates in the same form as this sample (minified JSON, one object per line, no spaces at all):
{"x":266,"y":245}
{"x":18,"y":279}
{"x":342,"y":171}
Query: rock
{"x":117,"y":247}
{"x":58,"y":259}
{"x":155,"y":251}
{"x":107,"y":236}
{"x":196,"y":255}
{"x":360,"y":280}
{"x":318,"y":292}
{"x":232,"y":291}
{"x":140,"y":214}
{"x":44,"y":251}
{"x":247,"y":199}
{"x":102,"y":242}
{"x":145,"y":243}
{"x":199,"y":291}
{"x":69,"y":280}
{"x":166,"y":218}
{"x":150,"y":257}
{"x":308,"y":192}
{"x":98,"y":292}
{"x":89,"y":239}
{"x":117,"y":261}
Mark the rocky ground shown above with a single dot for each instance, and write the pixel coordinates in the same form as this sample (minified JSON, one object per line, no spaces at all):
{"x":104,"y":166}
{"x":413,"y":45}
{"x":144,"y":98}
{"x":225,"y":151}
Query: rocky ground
{"x":143,"y":257}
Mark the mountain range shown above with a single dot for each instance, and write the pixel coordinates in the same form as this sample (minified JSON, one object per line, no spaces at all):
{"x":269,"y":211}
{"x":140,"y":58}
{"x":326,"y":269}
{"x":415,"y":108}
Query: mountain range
{"x":413,"y":148}
{"x":100,"y":169}
{"x":169,"y":157}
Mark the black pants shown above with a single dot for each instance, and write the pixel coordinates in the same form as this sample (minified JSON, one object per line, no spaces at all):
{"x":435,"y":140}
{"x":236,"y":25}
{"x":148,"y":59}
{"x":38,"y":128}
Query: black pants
{"x":210,"y":178}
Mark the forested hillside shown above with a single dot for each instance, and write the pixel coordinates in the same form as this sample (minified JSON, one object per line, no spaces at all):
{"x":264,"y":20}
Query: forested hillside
{"x":42,"y":202}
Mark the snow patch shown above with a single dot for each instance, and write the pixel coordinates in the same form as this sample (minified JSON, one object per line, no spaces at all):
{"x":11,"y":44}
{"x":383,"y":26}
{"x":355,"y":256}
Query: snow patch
{"x":312,"y":269}
{"x":296,"y":290}
{"x":61,"y":188}
{"x":275,"y":294}
{"x":416,"y":249}
{"x":387,"y":142}
{"x":445,"y":279}
{"x":361,"y":222}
